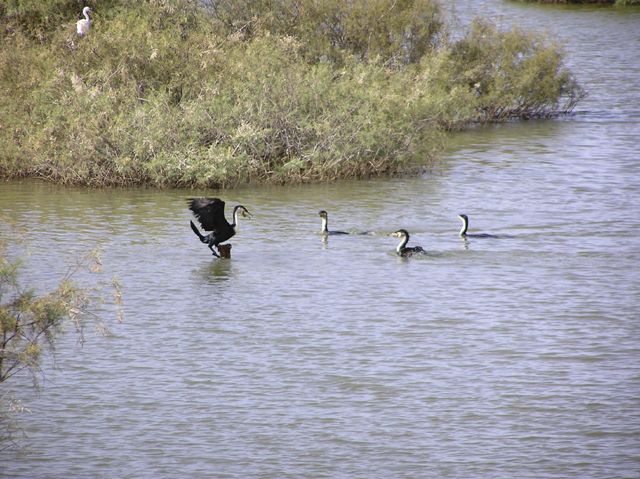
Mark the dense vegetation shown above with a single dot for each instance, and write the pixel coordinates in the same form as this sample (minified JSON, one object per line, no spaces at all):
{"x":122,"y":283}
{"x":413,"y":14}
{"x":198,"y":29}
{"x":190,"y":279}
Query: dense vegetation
{"x":217,"y":93}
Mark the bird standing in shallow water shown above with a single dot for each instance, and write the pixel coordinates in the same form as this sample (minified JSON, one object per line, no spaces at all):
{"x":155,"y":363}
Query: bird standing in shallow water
{"x":402,"y":249}
{"x":210,"y":214}
{"x":465,"y":226}
{"x":83,"y":25}
{"x":325,"y":221}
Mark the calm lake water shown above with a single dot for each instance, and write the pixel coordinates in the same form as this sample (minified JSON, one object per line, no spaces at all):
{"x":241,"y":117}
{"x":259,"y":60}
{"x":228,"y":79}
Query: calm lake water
{"x":512,"y":357}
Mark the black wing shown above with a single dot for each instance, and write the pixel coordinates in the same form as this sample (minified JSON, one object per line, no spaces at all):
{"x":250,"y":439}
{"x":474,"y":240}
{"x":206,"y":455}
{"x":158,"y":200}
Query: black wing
{"x":210,"y":213}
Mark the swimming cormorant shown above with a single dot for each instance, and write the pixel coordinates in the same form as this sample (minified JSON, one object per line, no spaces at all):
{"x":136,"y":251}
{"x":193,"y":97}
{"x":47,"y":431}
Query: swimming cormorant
{"x":210,"y":214}
{"x":325,"y":221}
{"x":402,"y":249}
{"x":465,"y":226}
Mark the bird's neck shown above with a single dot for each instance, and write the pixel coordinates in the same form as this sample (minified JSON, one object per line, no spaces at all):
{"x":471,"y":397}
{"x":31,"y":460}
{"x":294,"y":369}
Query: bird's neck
{"x":402,"y":244}
{"x":235,"y":217}
{"x":325,"y":225}
{"x":465,"y":226}
{"x":86,"y":15}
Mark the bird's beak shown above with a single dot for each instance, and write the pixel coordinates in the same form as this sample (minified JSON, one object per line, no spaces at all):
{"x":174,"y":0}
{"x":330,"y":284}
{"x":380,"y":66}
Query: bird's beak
{"x":246,"y":214}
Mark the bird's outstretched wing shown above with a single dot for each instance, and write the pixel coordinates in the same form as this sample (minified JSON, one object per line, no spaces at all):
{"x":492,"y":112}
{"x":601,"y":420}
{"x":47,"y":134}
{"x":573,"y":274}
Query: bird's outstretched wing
{"x":210,"y":213}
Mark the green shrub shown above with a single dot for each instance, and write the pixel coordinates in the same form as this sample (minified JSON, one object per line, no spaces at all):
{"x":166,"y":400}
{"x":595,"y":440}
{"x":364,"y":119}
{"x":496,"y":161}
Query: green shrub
{"x":513,"y":74}
{"x":390,"y":31}
{"x":161,"y":93}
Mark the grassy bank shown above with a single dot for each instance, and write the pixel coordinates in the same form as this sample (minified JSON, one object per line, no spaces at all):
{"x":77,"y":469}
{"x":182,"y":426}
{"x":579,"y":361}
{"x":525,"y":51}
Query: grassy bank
{"x":171,"y":93}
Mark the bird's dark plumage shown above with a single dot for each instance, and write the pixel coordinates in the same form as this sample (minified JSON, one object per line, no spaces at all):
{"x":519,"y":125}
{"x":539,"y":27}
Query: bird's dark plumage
{"x":325,"y":221}
{"x":404,"y":250}
{"x":210,"y":215}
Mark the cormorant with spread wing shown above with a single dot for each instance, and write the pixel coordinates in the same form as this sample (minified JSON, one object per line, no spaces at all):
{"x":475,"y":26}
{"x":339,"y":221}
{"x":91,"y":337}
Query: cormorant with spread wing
{"x":210,"y":214}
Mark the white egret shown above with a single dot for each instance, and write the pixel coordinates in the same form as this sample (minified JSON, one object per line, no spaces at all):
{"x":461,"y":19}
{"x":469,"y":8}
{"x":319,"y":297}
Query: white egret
{"x":84,"y":24}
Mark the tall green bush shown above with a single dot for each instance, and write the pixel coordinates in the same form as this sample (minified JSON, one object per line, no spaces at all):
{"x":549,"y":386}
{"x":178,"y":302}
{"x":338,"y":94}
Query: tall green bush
{"x":391,"y":31}
{"x":512,"y":74}
{"x":164,"y":92}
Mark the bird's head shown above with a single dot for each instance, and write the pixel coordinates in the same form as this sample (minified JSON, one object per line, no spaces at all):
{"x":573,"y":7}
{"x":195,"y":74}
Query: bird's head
{"x":464,"y":218}
{"x":323,"y":214}
{"x":86,"y":11}
{"x":244,"y":212}
{"x":399,"y":234}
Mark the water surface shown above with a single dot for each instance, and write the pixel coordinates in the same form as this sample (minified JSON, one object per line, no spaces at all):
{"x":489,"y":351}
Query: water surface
{"x":509,"y":357}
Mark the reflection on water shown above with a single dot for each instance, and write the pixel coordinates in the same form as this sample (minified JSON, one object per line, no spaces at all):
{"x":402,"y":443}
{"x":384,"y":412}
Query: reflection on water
{"x":299,"y":357}
{"x":212,"y":271}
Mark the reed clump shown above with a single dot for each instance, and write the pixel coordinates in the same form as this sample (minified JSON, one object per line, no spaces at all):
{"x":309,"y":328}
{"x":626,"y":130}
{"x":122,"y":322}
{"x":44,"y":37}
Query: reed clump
{"x":215,"y":94}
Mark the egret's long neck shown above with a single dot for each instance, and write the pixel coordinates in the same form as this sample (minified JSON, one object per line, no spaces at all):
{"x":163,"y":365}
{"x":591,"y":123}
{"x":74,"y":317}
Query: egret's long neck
{"x":402,"y":244}
{"x":86,"y":15}
{"x":325,"y":226}
{"x":465,"y":225}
